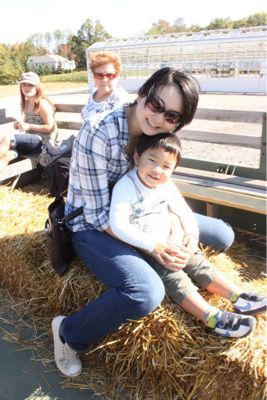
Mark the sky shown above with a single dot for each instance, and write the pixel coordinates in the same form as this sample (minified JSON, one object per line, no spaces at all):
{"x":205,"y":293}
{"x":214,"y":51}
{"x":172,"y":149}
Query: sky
{"x":120,"y":18}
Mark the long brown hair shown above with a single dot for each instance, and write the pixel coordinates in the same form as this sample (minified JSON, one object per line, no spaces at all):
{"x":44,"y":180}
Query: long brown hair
{"x":39,"y":95}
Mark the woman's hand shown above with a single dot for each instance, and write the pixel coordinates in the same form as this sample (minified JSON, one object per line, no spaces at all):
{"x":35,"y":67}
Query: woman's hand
{"x":16,"y":124}
{"x":23,"y":126}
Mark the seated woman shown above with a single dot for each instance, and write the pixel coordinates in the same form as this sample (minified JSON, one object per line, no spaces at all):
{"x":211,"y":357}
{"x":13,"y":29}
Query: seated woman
{"x":107,"y":94}
{"x":36,"y":130}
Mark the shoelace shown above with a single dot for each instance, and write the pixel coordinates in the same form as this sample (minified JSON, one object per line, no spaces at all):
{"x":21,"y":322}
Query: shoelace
{"x":64,"y":359}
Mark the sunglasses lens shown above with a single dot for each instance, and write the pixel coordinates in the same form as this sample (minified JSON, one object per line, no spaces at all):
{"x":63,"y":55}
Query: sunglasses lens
{"x":155,"y":105}
{"x":171,"y":117}
{"x":98,"y":75}
{"x":111,"y":76}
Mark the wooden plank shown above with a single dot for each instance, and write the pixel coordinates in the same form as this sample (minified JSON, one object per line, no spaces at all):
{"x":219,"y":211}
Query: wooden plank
{"x":222,"y":186}
{"x":17,"y":168}
{"x":69,"y":125}
{"x":73,"y":108}
{"x":230,"y":179}
{"x":26,"y":178}
{"x":224,"y":198}
{"x":221,"y":138}
{"x":238,"y":170}
{"x":229,"y":115}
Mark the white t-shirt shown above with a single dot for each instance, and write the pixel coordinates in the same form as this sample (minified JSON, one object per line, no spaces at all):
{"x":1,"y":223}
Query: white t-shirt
{"x":118,"y":97}
{"x":140,"y":216}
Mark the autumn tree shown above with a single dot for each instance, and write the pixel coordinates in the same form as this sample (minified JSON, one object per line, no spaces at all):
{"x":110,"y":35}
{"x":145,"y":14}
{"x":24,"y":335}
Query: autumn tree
{"x":160,"y":28}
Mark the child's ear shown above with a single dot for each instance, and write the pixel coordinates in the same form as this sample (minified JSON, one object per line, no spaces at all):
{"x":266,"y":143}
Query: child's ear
{"x":136,"y":158}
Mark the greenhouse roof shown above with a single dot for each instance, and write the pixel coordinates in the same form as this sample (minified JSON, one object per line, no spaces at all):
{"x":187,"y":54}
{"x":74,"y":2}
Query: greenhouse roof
{"x":251,"y":33}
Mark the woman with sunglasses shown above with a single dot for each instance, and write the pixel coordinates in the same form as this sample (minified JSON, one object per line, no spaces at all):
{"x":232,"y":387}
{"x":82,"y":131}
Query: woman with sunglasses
{"x":107,"y":94}
{"x":102,"y":153}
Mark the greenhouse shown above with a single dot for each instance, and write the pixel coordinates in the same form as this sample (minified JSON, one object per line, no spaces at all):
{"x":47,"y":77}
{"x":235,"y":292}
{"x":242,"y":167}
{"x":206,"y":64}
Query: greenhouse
{"x":227,"y":52}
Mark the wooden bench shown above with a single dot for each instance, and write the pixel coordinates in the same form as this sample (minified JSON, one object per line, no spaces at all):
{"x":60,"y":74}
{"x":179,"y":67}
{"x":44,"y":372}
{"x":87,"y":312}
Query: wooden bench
{"x":219,"y":183}
{"x":24,"y":169}
{"x":214,"y":184}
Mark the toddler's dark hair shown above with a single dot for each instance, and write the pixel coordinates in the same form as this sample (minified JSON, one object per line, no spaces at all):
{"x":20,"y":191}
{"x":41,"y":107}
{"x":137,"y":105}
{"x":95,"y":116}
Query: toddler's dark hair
{"x":166,"y":141}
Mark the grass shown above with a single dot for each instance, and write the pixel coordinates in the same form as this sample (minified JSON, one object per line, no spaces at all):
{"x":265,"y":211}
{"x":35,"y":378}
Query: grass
{"x":51,"y":83}
{"x":13,"y":90}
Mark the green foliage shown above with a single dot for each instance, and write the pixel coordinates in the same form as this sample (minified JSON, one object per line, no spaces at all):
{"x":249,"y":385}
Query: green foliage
{"x":257,"y":19}
{"x":162,"y":27}
{"x":76,"y":76}
{"x":10,"y":73}
{"x":88,"y":34}
{"x":13,"y":58}
{"x":220,"y":23}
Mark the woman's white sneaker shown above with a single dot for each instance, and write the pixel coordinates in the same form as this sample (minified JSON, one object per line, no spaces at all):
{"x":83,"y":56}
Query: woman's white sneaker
{"x":67,"y":360}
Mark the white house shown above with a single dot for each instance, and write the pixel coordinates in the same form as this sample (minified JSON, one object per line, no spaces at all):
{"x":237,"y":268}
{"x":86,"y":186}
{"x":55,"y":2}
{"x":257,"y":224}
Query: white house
{"x":51,"y":61}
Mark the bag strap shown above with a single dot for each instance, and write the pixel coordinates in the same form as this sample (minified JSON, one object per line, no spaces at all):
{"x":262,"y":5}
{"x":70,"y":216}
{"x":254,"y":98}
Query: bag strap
{"x":64,"y":154}
{"x":72,"y":215}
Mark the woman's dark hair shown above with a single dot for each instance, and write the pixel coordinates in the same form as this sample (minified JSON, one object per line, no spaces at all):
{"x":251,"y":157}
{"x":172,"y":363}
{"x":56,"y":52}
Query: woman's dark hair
{"x":187,"y":85}
{"x":165,"y":141}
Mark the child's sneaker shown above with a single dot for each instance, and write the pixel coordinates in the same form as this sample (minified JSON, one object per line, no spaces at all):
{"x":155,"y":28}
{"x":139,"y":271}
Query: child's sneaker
{"x":67,"y":360}
{"x":231,"y":325}
{"x":250,"y":303}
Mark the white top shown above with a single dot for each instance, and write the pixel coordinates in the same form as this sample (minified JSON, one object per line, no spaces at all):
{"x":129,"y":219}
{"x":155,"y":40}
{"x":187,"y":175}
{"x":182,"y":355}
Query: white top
{"x":118,"y":97}
{"x":140,"y":216}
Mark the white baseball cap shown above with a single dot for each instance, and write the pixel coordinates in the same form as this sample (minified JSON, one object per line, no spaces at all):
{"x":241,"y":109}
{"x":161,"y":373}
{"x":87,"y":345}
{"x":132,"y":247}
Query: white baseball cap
{"x":30,"y":77}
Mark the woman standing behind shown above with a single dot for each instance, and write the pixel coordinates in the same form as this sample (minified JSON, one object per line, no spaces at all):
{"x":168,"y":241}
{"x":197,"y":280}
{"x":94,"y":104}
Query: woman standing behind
{"x":37,"y":124}
{"x":107,"y":94}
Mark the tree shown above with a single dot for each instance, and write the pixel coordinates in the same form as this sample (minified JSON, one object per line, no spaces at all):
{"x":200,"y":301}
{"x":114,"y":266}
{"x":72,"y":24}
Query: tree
{"x":37,"y":39}
{"x":48,"y":39}
{"x":240,"y":23}
{"x":88,"y":34}
{"x":58,"y":36}
{"x":220,"y":23}
{"x":195,"y":28}
{"x":19,"y":53}
{"x":257,"y":19}
{"x":179,"y":25}
{"x":160,"y":28}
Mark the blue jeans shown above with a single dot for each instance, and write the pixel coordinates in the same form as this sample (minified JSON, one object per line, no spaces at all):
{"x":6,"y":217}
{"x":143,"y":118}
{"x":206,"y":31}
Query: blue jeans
{"x":134,"y":289}
{"x":25,"y":143}
{"x":214,"y":232}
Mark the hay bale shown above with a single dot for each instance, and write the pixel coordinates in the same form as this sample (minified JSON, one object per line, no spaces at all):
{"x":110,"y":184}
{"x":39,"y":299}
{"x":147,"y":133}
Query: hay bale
{"x":167,"y":355}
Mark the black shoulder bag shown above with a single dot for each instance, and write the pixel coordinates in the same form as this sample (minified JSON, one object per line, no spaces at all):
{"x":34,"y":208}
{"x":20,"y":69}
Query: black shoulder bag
{"x":59,"y":243}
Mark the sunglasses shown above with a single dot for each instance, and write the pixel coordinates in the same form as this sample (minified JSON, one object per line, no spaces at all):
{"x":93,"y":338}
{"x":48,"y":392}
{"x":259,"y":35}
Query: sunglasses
{"x":156,"y":105}
{"x":98,"y":75}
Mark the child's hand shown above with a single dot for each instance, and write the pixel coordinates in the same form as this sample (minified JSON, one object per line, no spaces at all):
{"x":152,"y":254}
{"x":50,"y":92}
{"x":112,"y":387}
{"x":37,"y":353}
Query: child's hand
{"x":173,"y":257}
{"x":191,"y":243}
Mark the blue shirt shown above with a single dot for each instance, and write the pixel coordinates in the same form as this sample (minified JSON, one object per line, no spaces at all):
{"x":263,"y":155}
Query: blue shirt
{"x":98,"y":160}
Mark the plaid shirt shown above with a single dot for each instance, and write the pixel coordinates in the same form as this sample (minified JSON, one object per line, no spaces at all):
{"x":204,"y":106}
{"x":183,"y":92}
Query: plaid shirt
{"x":98,"y":161}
